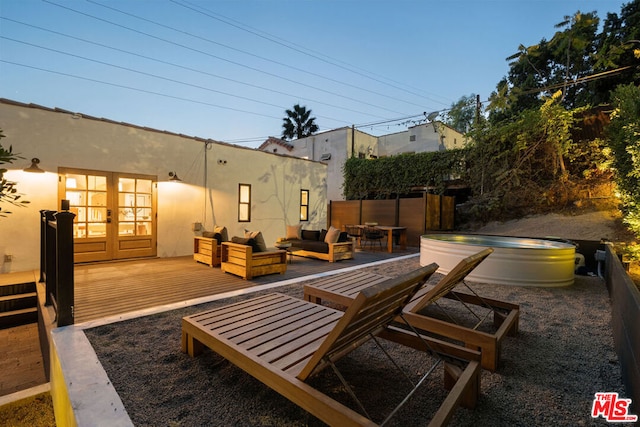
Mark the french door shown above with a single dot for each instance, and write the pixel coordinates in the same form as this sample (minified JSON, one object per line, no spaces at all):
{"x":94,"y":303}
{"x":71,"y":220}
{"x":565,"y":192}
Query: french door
{"x":115,"y":213}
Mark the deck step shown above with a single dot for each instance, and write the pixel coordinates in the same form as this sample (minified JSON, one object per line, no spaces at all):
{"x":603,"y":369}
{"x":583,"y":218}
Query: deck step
{"x":18,"y":301}
{"x":10,"y":319}
{"x":17,"y":288}
{"x":18,"y":304}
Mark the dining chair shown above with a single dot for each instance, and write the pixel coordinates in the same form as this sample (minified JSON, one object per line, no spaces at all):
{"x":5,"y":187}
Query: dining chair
{"x":372,"y":236}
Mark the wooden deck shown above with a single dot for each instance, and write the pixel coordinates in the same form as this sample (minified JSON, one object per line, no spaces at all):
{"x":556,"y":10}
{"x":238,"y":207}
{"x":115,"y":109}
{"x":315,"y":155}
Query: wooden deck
{"x":107,"y":289}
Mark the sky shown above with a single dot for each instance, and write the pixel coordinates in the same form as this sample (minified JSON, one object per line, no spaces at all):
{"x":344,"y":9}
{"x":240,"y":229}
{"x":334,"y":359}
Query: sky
{"x":228,"y":69}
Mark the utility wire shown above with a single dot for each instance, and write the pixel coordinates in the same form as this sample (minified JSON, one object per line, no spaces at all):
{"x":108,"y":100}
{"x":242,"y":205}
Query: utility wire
{"x":218,"y":57}
{"x":303,"y":51}
{"x":161,"y":61}
{"x":579,"y":80}
{"x":144,"y":73}
{"x":137,"y":89}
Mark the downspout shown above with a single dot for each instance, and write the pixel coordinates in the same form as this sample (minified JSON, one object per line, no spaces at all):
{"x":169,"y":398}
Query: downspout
{"x":353,"y":141}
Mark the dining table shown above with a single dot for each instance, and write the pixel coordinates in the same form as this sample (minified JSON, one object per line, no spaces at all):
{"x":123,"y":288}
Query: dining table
{"x":390,"y":231}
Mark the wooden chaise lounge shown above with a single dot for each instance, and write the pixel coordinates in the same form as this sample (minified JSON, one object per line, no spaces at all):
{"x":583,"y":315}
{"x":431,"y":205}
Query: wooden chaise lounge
{"x":282,"y":341}
{"x":342,"y":291}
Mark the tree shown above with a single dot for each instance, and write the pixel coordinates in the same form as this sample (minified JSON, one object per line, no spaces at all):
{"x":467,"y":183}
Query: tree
{"x":624,"y":140}
{"x":618,"y":48}
{"x":462,"y":113}
{"x":298,"y":123}
{"x":540,"y":70}
{"x":8,"y":191}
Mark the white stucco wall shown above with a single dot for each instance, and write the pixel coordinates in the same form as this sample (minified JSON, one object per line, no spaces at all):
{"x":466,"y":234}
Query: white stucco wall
{"x":60,"y":140}
{"x":337,"y":144}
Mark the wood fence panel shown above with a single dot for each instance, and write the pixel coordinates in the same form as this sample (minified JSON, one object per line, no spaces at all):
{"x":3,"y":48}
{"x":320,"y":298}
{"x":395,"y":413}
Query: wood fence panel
{"x":411,"y":215}
{"x":431,"y":212}
{"x":447,"y":212}
{"x":432,"y":220}
{"x":381,"y":211}
{"x":343,"y":212}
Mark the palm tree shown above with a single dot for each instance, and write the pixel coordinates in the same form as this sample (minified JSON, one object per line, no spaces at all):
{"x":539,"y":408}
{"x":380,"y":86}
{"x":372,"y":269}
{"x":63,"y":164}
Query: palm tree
{"x":298,"y":123}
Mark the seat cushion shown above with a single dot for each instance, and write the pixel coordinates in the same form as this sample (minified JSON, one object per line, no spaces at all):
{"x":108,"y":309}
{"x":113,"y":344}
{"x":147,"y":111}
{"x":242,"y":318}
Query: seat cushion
{"x":313,"y":235}
{"x":311,"y":246}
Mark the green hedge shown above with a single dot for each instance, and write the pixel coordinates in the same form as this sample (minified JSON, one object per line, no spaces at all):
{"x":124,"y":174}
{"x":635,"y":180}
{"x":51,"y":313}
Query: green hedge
{"x":396,"y":175}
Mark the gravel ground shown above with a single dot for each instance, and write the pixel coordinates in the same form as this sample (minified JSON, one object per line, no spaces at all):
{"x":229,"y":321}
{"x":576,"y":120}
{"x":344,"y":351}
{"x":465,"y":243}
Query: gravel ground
{"x":549,"y":372}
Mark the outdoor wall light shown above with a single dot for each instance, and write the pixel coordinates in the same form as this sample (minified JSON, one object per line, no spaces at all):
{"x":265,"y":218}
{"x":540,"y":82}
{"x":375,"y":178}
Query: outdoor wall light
{"x":174,"y":177}
{"x":34,"y":166}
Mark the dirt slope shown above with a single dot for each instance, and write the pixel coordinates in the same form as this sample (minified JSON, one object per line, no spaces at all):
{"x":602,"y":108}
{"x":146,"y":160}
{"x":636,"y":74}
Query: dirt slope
{"x":595,"y":225}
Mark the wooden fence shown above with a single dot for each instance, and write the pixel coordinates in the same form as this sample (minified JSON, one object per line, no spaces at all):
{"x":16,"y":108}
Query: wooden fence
{"x":625,"y":318}
{"x":420,"y":215}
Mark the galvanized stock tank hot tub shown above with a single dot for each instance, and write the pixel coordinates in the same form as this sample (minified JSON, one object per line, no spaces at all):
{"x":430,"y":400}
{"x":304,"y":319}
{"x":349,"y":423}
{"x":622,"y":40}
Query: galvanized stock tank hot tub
{"x":516,"y":261}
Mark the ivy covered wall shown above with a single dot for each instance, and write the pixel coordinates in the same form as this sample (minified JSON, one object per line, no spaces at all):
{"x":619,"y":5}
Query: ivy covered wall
{"x":396,"y":175}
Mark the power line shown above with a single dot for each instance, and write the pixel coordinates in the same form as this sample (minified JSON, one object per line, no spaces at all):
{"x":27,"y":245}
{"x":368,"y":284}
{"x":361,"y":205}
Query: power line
{"x":179,"y":66}
{"x":579,"y":80}
{"x":144,"y":73}
{"x":218,"y":57}
{"x":138,"y":89}
{"x":303,"y":50}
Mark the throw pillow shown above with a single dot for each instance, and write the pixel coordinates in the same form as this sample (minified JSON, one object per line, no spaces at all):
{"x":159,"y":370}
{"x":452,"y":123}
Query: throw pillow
{"x":257,"y":236}
{"x":323,"y":235}
{"x":294,"y":231}
{"x":240,"y":240}
{"x":247,"y":241}
{"x":223,"y":233}
{"x":332,"y":235}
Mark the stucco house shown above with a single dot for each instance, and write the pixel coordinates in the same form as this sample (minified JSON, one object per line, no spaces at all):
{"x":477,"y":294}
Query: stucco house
{"x":335,"y":146}
{"x":117,"y":178}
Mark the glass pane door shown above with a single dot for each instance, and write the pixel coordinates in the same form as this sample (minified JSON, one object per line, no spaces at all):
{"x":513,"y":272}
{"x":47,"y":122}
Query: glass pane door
{"x":87,"y":195}
{"x":115,"y":213}
{"x":134,"y":207}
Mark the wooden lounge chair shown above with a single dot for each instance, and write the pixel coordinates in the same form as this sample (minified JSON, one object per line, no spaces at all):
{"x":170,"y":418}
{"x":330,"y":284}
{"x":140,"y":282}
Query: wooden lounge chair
{"x":282,"y":341}
{"x":505,"y":315}
{"x":242,"y":261}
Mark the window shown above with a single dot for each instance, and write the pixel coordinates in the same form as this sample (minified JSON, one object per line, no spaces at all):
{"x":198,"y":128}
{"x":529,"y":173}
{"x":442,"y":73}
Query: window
{"x":244,"y":203}
{"x":304,"y":205}
{"x":412,"y":138}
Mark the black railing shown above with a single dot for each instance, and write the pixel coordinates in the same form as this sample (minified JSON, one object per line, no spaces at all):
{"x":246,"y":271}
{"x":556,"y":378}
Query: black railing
{"x":56,"y":263}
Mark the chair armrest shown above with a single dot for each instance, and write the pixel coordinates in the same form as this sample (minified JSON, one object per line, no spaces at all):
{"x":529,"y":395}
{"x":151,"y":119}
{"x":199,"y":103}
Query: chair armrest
{"x":341,"y":244}
{"x":236,"y":245}
{"x":269,"y":253}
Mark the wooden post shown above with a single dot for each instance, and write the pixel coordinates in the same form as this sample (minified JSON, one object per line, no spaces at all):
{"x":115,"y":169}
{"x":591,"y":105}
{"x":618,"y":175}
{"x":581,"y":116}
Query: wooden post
{"x":65,"y":282}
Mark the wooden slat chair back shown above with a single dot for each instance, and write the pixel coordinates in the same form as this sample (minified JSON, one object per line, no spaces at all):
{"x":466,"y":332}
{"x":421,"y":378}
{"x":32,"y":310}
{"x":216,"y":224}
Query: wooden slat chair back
{"x":371,"y":312}
{"x":448,"y":282}
{"x":281,"y":340}
{"x":506,"y":315}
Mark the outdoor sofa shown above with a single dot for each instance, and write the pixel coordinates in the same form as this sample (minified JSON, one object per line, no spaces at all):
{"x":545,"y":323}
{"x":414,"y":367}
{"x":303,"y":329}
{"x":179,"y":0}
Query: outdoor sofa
{"x":320,"y":244}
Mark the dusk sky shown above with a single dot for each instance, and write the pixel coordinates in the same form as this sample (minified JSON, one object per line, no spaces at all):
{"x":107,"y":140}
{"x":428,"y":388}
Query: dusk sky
{"x":227,"y":70}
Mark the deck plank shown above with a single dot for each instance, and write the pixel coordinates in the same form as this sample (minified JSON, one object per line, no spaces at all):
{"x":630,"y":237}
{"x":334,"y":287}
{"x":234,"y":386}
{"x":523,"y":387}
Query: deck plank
{"x":113,"y":288}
